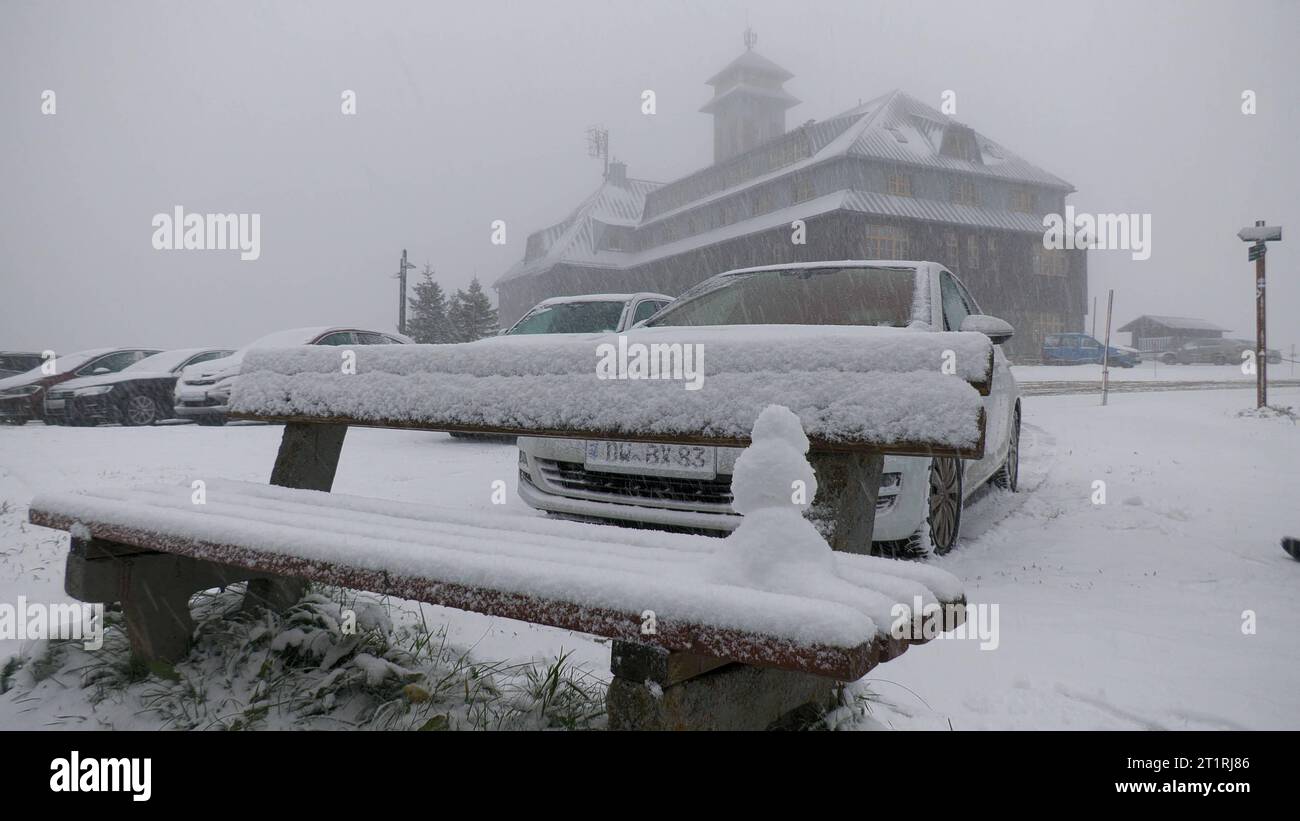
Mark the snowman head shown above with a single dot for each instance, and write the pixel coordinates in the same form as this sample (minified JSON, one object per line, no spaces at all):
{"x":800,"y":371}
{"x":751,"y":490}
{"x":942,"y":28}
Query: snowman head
{"x":773,"y":472}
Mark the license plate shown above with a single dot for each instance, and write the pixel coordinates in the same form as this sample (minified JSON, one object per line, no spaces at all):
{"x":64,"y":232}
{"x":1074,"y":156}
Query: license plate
{"x":54,"y":404}
{"x":653,"y":458}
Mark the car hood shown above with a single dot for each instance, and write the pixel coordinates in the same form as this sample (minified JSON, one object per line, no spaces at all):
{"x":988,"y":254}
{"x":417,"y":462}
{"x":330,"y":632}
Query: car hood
{"x":112,"y":379}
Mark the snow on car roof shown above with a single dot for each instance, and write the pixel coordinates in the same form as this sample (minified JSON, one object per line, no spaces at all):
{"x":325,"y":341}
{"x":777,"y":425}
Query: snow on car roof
{"x":559,"y":300}
{"x":841,"y":263}
{"x":66,"y":362}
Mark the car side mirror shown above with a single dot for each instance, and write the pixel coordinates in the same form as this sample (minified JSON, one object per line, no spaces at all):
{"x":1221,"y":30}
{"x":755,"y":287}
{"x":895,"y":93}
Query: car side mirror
{"x":100,"y":371}
{"x":997,"y":330}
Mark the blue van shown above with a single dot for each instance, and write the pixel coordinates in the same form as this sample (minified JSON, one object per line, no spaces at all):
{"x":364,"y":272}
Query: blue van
{"x":1081,"y":349}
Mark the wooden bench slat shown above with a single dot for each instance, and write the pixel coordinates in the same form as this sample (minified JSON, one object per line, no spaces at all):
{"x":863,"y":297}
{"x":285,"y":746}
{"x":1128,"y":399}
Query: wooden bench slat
{"x":176,"y":526}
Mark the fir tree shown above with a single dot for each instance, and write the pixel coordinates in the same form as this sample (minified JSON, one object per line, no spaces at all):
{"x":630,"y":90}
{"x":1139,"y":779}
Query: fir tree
{"x":428,"y":321}
{"x":471,"y":314}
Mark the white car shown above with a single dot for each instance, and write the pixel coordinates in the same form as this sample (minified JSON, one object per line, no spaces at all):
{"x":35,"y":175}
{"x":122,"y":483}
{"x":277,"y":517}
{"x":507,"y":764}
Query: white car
{"x":203,"y":391}
{"x":918,"y":496}
{"x":588,"y":313}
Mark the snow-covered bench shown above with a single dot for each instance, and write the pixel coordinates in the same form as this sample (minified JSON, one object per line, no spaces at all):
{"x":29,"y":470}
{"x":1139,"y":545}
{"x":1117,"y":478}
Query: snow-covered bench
{"x":707,"y":632}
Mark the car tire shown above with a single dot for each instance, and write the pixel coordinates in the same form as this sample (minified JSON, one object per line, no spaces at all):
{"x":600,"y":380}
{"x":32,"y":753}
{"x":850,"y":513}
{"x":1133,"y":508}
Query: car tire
{"x":1219,"y":359}
{"x":138,"y":411}
{"x":1008,"y":476}
{"x":1169,"y":359}
{"x":944,"y":503}
{"x":210,"y":421}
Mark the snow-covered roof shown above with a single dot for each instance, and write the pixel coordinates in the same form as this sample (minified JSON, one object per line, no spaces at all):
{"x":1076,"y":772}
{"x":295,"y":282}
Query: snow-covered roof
{"x":1176,"y":323}
{"x":560,"y":300}
{"x":894,"y":127}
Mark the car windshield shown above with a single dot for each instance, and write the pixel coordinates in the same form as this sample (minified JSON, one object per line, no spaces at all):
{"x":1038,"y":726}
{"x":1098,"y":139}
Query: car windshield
{"x":798,"y":296}
{"x":570,"y":318}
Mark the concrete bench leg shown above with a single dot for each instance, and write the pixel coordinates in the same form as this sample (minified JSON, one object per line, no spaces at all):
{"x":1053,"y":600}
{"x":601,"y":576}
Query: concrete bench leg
{"x":847,"y":486}
{"x":654,"y":689}
{"x":155,"y":589}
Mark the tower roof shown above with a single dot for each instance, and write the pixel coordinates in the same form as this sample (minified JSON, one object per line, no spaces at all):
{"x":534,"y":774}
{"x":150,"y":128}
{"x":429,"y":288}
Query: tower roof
{"x":752,"y":62}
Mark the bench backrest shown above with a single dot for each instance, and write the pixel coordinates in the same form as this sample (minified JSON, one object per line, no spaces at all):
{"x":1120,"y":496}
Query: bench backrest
{"x":854,"y":388}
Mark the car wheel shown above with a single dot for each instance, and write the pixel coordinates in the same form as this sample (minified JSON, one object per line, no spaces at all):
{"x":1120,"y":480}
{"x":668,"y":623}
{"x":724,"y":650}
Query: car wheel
{"x":138,"y":411}
{"x":945,"y":503}
{"x":1169,"y":359}
{"x":1008,"y":476}
{"x":1220,"y":359}
{"x":213,"y":421}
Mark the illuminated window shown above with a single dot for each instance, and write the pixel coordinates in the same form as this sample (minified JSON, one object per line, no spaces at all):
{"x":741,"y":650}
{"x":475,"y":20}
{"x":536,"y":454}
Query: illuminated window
{"x":964,"y":193}
{"x":1022,"y":199}
{"x":900,"y":185}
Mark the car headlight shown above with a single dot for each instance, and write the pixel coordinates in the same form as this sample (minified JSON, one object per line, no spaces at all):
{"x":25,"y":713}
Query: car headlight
{"x":98,"y":390}
{"x":25,"y":390}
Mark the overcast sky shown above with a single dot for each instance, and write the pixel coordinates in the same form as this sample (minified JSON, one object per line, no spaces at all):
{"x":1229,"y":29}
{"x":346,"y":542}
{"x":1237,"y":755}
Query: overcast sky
{"x":471,"y":112}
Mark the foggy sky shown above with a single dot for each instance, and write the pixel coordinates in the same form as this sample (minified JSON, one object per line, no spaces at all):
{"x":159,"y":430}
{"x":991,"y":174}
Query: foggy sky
{"x":473,"y":112}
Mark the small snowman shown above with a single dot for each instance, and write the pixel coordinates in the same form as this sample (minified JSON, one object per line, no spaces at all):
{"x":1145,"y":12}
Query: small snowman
{"x":775,"y":548}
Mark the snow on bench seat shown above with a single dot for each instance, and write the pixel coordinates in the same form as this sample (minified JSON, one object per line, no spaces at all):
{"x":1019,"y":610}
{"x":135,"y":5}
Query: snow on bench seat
{"x":851,"y":387}
{"x":588,"y":578}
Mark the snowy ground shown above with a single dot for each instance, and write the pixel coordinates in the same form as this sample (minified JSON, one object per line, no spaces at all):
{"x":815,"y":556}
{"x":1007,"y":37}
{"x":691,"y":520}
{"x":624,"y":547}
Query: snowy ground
{"x":1126,"y":614}
{"x":1147,"y":372}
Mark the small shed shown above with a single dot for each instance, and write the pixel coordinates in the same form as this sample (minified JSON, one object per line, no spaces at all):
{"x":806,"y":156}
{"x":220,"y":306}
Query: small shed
{"x":1163,"y":333}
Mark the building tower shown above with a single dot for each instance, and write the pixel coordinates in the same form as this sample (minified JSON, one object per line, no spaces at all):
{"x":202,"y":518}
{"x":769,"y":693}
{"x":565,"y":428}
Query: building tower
{"x":748,"y":104}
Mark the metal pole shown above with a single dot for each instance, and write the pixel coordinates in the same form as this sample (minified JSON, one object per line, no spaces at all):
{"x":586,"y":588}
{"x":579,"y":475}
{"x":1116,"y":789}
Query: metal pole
{"x":1105,"y":351}
{"x":1094,"y":317}
{"x":1261,"y":344}
{"x":401,"y":296}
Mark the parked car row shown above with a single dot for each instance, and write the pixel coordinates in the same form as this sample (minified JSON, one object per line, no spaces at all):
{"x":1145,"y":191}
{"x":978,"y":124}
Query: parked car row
{"x":920,"y":499}
{"x":1215,"y":352}
{"x":141,"y":386}
{"x":1082,"y":349}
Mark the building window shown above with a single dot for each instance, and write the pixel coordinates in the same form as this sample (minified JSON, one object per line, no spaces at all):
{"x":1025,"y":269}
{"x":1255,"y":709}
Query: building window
{"x":993,"y":247}
{"x":951,"y":249}
{"x":900,"y":185}
{"x":764,"y":201}
{"x":886,"y":242}
{"x":1050,"y":262}
{"x":1024,"y":200}
{"x":803,"y":189}
{"x":973,"y":251}
{"x":964,"y":192}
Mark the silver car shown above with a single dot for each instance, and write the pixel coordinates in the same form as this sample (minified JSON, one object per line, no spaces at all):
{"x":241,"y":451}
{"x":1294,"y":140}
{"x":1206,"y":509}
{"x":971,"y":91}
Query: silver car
{"x":918,"y":496}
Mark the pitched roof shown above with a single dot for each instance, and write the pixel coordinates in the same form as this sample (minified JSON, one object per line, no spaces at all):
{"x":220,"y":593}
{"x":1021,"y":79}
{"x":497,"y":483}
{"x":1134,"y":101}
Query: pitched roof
{"x":752,"y":61}
{"x":894,"y":127}
{"x":574,"y":239}
{"x":1176,"y":323}
{"x":898,"y":127}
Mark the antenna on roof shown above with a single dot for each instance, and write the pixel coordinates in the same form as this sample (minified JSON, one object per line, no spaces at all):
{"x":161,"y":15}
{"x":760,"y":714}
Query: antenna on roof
{"x":598,"y":144}
{"x":751,"y":38}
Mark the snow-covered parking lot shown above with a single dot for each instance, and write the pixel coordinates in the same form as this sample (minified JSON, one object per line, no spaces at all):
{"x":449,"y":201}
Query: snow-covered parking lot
{"x":1168,"y":605}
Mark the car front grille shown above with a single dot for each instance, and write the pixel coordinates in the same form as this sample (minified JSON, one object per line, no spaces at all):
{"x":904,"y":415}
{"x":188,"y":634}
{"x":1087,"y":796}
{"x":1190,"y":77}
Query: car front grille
{"x":703,"y":495}
{"x":708,"y":495}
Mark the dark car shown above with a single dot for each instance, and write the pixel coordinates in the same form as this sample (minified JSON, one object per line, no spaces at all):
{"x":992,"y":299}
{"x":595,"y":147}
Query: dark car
{"x":138,"y":395}
{"x":1081,"y":349}
{"x":22,"y":397}
{"x":1214,"y":352}
{"x":13,"y":363}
